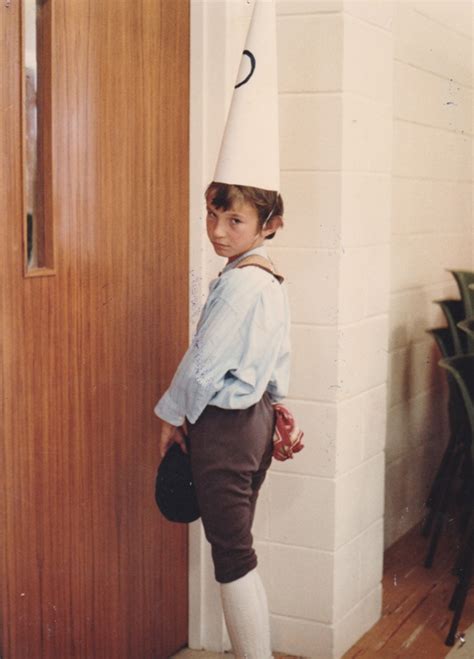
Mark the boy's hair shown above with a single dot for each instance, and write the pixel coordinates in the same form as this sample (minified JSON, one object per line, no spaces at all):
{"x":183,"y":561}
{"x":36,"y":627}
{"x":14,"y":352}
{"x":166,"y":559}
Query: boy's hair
{"x":267,"y":203}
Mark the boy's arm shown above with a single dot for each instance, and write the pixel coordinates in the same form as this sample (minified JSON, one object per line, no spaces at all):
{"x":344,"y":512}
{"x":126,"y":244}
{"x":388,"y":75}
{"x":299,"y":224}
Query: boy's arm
{"x":278,"y":386}
{"x":215,"y":349}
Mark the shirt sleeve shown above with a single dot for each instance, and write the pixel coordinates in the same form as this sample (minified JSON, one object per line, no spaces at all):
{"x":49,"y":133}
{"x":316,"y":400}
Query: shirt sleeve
{"x":215,"y":350}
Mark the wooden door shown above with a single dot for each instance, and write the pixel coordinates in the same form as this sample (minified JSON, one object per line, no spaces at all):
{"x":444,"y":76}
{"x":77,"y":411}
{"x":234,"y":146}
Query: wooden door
{"x":88,"y":567}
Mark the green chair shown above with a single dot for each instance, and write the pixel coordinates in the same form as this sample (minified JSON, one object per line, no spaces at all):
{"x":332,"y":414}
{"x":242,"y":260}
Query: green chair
{"x":461,"y":368}
{"x":454,"y":313}
{"x":468,"y":327}
{"x":444,"y":340}
{"x":455,"y":470}
{"x":465,"y":282}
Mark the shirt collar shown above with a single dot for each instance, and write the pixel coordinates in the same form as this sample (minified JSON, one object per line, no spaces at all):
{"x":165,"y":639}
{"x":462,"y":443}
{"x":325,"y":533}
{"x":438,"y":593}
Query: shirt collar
{"x":260,"y":251}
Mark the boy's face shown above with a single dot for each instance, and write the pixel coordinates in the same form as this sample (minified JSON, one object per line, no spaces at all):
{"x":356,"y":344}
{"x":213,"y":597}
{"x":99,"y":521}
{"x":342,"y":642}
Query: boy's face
{"x":234,"y":231}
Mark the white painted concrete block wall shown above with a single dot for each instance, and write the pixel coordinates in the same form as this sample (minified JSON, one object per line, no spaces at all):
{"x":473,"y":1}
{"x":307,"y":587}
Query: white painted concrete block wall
{"x":319,"y":526}
{"x":432,"y":229}
{"x":295,"y":528}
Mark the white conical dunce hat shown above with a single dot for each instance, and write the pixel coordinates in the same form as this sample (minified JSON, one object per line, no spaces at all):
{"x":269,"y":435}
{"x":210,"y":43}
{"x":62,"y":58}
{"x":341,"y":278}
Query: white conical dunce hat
{"x":249,"y":153}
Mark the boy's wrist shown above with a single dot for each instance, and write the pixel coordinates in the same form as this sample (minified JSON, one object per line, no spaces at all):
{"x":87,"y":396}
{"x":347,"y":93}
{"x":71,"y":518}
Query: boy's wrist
{"x":166,"y":410}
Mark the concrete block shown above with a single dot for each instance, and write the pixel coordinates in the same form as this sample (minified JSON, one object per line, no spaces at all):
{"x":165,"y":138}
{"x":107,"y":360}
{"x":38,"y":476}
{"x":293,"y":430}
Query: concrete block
{"x":310,"y":53}
{"x":261,"y":523}
{"x":425,"y":98}
{"x":406,"y":266}
{"x":425,"y":369}
{"x":379,"y":14}
{"x":427,"y":416}
{"x":302,"y":510}
{"x":413,"y":311}
{"x":303,"y":638}
{"x":358,"y":569}
{"x":427,"y":206}
{"x":314,"y":357}
{"x":363,"y":357}
{"x":302,"y":583}
{"x":350,"y":433}
{"x":310,"y":132}
{"x":398,"y":438}
{"x":295,"y":7}
{"x":359,"y":499}
{"x":456,"y":15}
{"x":365,"y":209}
{"x":312,"y":210}
{"x":367,"y":130}
{"x":360,"y":619}
{"x":312,"y":279}
{"x":375,"y":410}
{"x":346,"y":578}
{"x":430,"y":153}
{"x":262,"y":549}
{"x":353,"y":285}
{"x":401,"y":512}
{"x":454,"y":248}
{"x":377,"y":299}
{"x":421,"y":260}
{"x":368,"y":59}
{"x":318,"y":458}
{"x":408,"y":480}
{"x":429,"y":45}
{"x":363,"y":282}
{"x":413,"y":370}
{"x":394,"y":503}
{"x":371,"y":558}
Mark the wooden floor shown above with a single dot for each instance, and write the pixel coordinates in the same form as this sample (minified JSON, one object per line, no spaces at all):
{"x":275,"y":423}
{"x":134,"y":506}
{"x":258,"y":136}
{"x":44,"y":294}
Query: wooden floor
{"x":415,"y":619}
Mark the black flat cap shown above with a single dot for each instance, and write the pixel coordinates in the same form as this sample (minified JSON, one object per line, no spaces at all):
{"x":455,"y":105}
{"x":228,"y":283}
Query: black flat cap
{"x":174,"y":488}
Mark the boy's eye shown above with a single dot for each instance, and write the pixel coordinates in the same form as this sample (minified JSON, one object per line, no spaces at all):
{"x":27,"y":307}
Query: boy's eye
{"x":236,"y":220}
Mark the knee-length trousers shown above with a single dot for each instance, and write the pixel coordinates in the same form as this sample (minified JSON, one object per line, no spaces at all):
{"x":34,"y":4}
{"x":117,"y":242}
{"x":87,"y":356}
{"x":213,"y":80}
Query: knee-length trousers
{"x":231,"y":451}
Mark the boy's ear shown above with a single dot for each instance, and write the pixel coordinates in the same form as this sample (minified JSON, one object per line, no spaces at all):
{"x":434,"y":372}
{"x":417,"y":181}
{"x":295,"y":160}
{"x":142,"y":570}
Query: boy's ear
{"x":273,"y":224}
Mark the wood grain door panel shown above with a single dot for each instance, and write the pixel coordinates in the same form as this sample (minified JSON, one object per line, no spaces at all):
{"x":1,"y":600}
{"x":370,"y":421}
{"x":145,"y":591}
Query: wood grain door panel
{"x":89,"y":569}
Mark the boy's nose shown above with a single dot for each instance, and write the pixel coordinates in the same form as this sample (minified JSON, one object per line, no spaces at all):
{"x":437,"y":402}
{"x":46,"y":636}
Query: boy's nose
{"x":218,"y":231}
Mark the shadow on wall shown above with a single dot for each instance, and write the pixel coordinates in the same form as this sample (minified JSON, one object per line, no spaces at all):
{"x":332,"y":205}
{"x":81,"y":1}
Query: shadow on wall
{"x":416,"y":436}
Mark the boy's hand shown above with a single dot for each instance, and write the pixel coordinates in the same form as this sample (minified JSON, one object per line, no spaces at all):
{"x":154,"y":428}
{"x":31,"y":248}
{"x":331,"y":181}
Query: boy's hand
{"x":170,"y":434}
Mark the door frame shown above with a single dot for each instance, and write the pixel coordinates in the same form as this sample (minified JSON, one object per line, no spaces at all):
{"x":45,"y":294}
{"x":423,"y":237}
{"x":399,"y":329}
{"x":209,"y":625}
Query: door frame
{"x":217,"y":33}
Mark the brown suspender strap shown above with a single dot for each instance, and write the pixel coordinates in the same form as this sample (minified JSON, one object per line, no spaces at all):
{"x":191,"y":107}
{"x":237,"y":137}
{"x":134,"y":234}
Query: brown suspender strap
{"x":260,"y":262}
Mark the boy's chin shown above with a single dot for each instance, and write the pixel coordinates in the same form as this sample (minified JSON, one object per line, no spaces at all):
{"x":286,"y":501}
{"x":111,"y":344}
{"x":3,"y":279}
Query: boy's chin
{"x":222,"y":250}
{"x":225,"y":251}
{"x":228,"y":252}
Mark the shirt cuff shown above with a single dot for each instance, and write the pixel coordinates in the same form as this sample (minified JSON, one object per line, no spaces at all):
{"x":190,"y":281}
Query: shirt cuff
{"x":167,"y":410}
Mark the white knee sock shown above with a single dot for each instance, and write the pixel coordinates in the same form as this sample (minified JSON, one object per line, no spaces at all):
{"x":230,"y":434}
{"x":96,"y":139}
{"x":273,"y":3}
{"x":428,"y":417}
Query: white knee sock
{"x":246,"y":615}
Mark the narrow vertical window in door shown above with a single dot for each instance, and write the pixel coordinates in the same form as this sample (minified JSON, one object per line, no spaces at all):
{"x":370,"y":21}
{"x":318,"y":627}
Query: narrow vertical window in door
{"x":37,"y":132}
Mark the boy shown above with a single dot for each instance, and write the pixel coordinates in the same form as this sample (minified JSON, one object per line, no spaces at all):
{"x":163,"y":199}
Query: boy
{"x":221,"y":397}
{"x":237,"y":365}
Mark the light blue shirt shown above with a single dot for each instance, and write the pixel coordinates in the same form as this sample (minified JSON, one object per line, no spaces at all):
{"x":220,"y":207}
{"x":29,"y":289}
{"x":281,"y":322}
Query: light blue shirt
{"x":241,"y":347}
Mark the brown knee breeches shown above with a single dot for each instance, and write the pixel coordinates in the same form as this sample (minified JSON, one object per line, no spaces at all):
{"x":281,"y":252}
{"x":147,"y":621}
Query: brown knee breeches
{"x":231,"y":451}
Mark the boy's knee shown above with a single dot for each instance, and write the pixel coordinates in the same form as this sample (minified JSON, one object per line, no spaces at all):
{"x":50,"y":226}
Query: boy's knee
{"x":233,"y":565}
